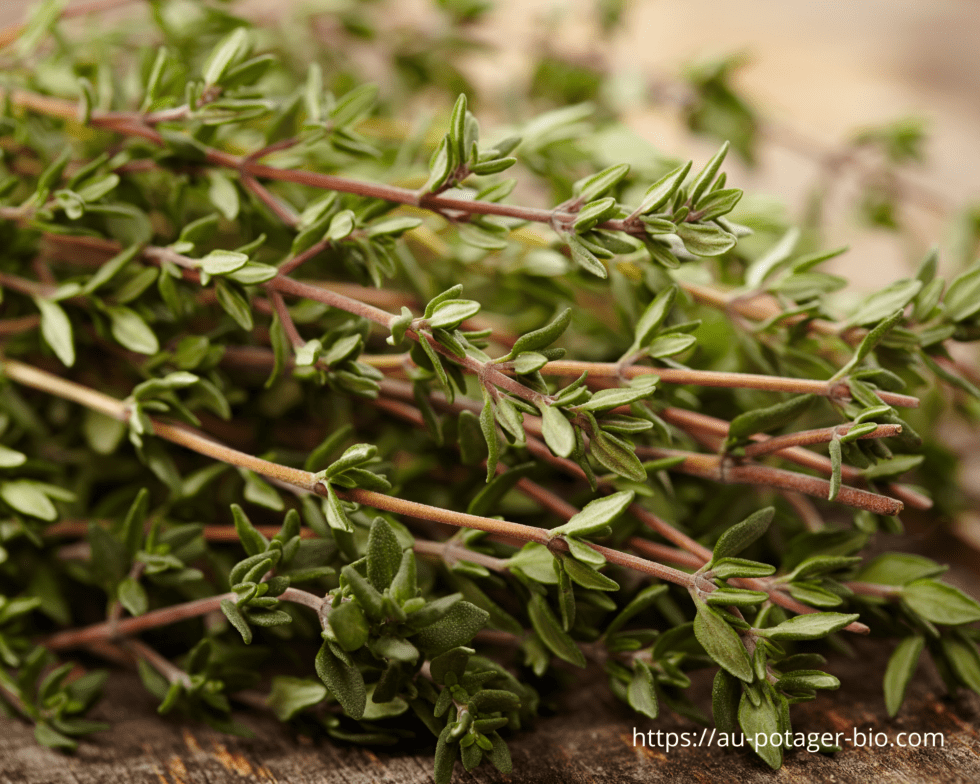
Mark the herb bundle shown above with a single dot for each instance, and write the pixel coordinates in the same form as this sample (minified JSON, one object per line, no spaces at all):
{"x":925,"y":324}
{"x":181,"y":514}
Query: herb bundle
{"x":270,"y":379}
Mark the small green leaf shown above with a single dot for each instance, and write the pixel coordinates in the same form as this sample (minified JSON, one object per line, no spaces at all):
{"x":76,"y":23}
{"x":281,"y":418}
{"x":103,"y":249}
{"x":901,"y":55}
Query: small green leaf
{"x":654,"y":315}
{"x":549,"y":630}
{"x":593,"y":214}
{"x":940,"y":603}
{"x":131,"y":331}
{"x":760,"y":723}
{"x":56,"y":330}
{"x":722,"y":643}
{"x":588,"y":577}
{"x":882,"y":304}
{"x":718,"y":203}
{"x":607,"y":399}
{"x":450,"y":313}
{"x":867,"y":345}
{"x":762,"y":420}
{"x":132,"y":596}
{"x":237,"y":619}
{"x":670,"y":345}
{"x":10,"y":458}
{"x":811,"y":626}
{"x":229,"y":50}
{"x":584,"y":257}
{"x":741,"y":535}
{"x":705,"y":239}
{"x":640,"y":693}
{"x":253,"y":541}
{"x":595,"y":515}
{"x":221,"y":262}
{"x":543,"y":337}
{"x":962,"y":300}
{"x":707,"y":175}
{"x":900,"y":669}
{"x":27,"y":498}
{"x":370,"y":599}
{"x":344,"y":681}
{"x":234,"y":302}
{"x":614,"y":454}
{"x":384,"y":554}
{"x":593,"y":186}
{"x":349,"y":626}
{"x":289,"y":695}
{"x":455,"y":628}
{"x":558,"y":432}
{"x":725,"y":693}
{"x":661,"y":191}
{"x":445,"y":759}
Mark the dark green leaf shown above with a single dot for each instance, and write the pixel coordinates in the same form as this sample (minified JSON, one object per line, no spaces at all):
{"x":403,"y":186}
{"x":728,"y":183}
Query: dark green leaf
{"x":344,"y":681}
{"x":549,"y":629}
{"x":253,"y":541}
{"x":384,"y":554}
{"x":455,"y":628}
{"x":725,"y":693}
{"x":760,"y":722}
{"x":899,"y":672}
{"x":721,"y":642}
{"x":762,"y":420}
{"x":237,"y":619}
{"x":741,"y":535}
{"x":640,"y":693}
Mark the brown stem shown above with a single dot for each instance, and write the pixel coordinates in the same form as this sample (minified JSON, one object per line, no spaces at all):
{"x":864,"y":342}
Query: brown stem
{"x":161,"y":664}
{"x":875,"y":589}
{"x":279,"y":305}
{"x":692,"y":422}
{"x":74,"y":638}
{"x":720,"y":469}
{"x":819,"y":436}
{"x":283,"y":211}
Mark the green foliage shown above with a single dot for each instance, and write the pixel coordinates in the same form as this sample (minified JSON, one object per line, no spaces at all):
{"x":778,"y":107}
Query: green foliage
{"x":283,"y":257}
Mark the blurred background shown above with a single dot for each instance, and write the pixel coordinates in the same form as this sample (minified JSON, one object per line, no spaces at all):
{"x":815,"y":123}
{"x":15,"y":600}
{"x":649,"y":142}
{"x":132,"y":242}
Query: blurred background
{"x":814,"y":75}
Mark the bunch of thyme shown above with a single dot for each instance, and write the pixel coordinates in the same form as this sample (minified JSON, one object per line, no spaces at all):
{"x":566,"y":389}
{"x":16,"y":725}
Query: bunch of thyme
{"x":233,"y":291}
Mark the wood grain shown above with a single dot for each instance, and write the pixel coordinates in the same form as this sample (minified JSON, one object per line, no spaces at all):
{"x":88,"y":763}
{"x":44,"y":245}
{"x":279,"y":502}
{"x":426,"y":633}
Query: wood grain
{"x":590,"y":741}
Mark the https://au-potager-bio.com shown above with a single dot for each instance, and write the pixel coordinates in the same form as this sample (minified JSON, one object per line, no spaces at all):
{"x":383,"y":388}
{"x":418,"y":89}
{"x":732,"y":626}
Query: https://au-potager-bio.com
{"x":806,"y":741}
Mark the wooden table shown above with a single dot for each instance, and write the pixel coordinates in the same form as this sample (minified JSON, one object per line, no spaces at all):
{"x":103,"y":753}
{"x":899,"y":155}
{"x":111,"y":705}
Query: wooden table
{"x":590,"y":741}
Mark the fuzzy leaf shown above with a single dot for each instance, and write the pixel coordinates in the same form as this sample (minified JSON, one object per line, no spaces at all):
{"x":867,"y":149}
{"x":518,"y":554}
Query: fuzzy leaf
{"x":811,"y":626}
{"x":640,"y":693}
{"x":741,"y":535}
{"x":558,"y":432}
{"x":721,"y":642}
{"x":596,"y":515}
{"x":384,"y":554}
{"x":549,"y":630}
{"x":344,"y":681}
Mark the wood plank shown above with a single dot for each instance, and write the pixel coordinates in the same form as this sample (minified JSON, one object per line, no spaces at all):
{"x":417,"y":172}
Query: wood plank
{"x":591,"y":741}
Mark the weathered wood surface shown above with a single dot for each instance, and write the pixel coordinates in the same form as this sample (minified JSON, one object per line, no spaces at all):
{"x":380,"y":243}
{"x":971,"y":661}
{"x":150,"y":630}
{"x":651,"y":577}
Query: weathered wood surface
{"x":590,"y":741}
